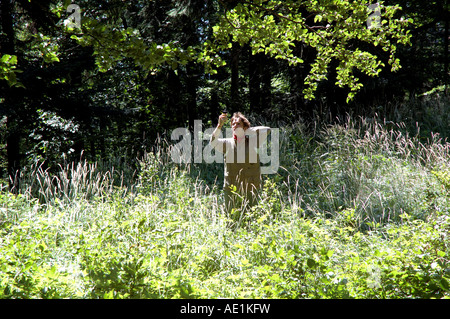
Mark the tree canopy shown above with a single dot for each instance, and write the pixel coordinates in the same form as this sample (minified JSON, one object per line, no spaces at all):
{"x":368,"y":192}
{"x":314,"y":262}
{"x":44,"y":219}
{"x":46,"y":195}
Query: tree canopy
{"x":335,"y":29}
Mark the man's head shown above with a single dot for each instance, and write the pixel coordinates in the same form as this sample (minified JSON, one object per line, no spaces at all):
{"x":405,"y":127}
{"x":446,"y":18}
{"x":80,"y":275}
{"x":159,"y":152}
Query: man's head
{"x":239,"y":123}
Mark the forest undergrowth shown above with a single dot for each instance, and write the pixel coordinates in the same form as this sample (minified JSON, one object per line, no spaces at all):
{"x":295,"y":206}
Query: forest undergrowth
{"x":359,"y":209}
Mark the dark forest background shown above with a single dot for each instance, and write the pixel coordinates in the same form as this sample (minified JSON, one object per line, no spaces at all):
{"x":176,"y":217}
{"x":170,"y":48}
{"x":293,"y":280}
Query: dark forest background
{"x":63,"y":107}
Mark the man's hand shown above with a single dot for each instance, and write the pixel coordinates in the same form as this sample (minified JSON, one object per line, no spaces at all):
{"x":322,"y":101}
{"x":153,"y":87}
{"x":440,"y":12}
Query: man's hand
{"x":222,"y":120}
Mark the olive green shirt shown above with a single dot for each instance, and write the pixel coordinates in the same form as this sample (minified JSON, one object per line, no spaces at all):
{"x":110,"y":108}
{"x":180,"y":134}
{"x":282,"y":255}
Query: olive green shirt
{"x":241,"y":166}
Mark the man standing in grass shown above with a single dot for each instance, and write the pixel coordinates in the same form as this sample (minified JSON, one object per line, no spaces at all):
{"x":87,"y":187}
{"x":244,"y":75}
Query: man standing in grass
{"x":242,"y":175}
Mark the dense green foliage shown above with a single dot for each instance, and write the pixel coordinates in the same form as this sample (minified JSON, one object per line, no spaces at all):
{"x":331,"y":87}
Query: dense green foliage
{"x":358,"y":210}
{"x":91,"y":206}
{"x":334,"y":29}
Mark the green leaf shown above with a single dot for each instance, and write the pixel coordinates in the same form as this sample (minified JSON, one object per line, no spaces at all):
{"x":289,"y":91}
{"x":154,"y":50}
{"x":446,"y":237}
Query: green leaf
{"x":444,"y":284}
{"x":311,"y":263}
{"x":109,"y":295}
{"x":5,"y":58}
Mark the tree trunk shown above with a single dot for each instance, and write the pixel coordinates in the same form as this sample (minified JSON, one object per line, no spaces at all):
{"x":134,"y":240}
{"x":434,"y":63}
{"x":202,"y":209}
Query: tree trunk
{"x":7,"y":27}
{"x":266,"y":81}
{"x":297,"y":76}
{"x":13,"y":153}
{"x":12,"y":127}
{"x":254,"y":82}
{"x":192,"y":84}
{"x":446,"y":35}
{"x":234,"y":94}
{"x":174,"y":100}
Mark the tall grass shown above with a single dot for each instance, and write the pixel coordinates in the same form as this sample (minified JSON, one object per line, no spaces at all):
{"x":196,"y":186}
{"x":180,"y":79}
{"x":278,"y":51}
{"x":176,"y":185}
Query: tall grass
{"x":373,"y":168}
{"x":357,"y":210}
{"x":80,"y":180}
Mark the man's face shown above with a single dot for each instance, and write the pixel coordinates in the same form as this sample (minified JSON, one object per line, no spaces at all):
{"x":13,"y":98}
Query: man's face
{"x":237,"y":126}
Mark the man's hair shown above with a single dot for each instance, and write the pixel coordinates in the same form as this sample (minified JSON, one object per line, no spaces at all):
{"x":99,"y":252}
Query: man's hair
{"x":242,"y":118}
